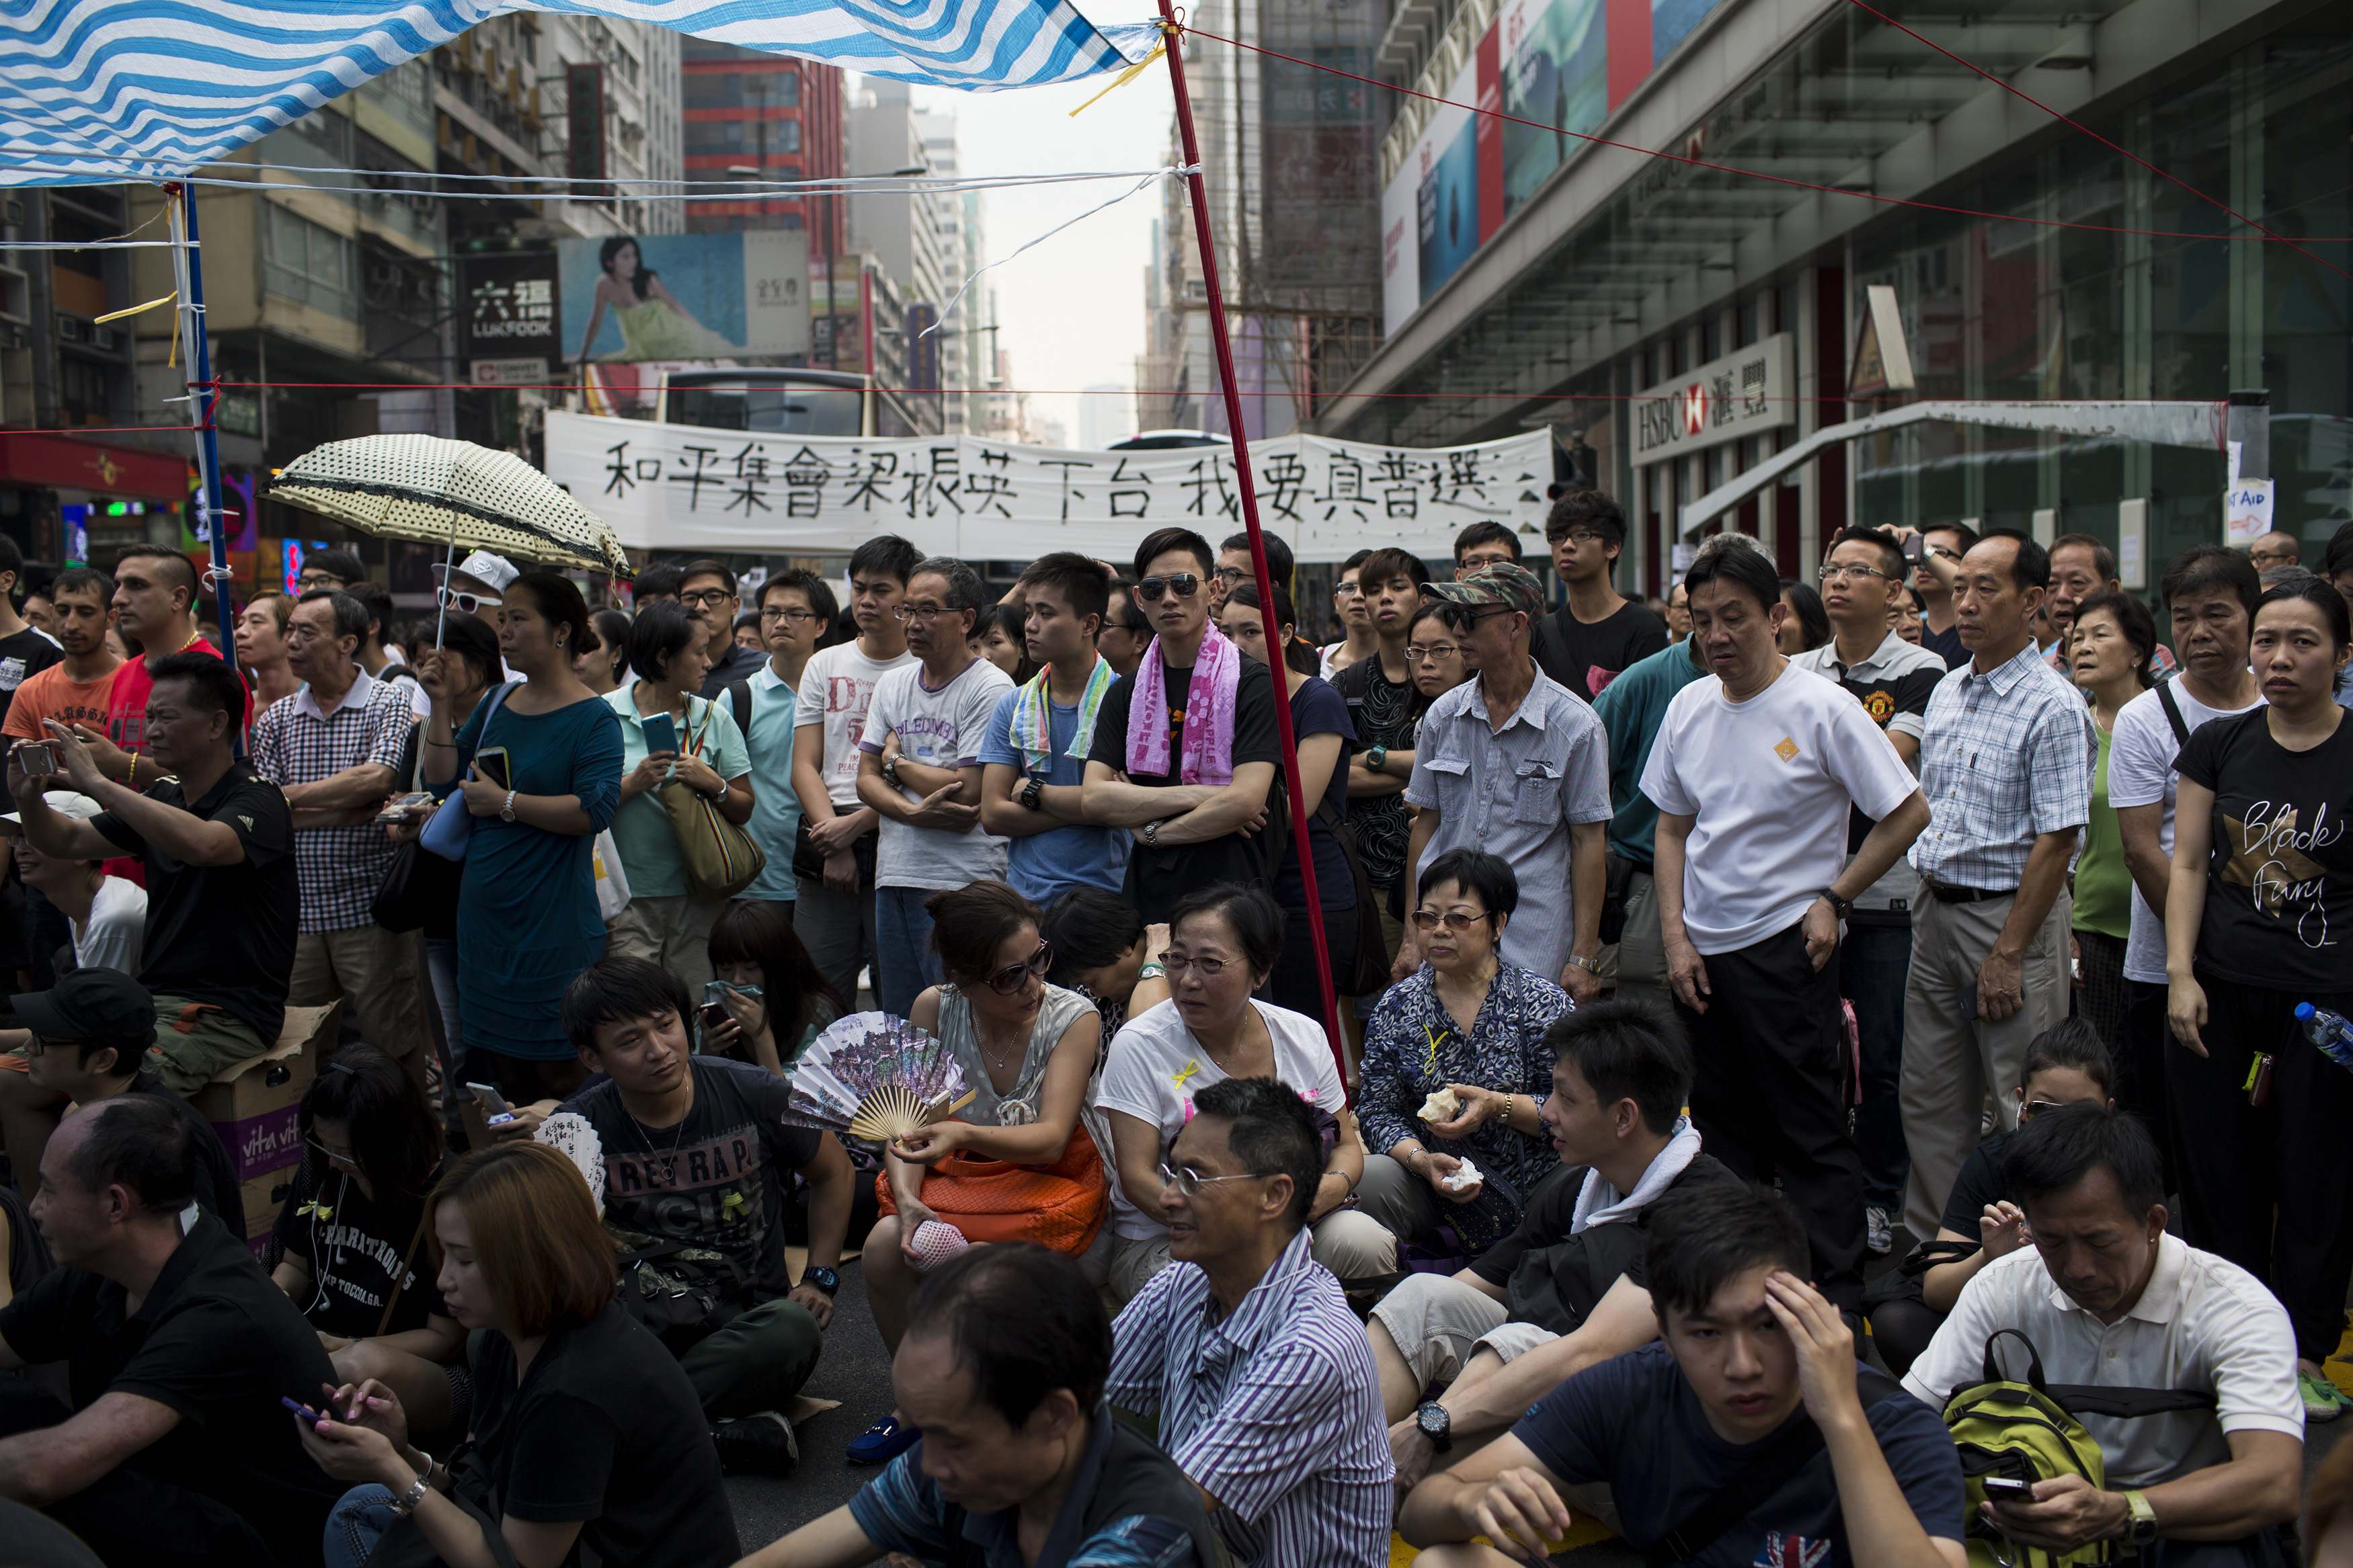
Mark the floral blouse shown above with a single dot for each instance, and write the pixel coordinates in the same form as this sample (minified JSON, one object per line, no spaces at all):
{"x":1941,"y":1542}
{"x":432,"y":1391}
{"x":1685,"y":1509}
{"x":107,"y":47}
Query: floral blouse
{"x":1413,"y":1048}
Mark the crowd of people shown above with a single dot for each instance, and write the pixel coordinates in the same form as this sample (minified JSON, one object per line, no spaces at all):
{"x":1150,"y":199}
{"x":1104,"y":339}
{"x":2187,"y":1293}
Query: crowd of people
{"x":1691,"y":956}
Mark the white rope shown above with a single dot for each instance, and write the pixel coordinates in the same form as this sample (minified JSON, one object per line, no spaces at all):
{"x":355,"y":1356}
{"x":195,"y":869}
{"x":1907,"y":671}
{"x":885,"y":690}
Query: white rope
{"x":1185,"y":170}
{"x":96,"y":245}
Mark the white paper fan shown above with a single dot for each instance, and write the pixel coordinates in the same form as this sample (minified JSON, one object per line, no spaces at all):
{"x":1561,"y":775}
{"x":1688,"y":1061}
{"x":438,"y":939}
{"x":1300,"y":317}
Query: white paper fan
{"x":570,"y":1133}
{"x":876,"y":1077}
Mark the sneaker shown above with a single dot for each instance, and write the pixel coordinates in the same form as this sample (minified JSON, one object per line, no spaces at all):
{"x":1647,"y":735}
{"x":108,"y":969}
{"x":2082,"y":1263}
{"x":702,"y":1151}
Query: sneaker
{"x":1878,"y":1231}
{"x":883,"y":1442}
{"x":758,"y":1445}
{"x":2323,"y":1400}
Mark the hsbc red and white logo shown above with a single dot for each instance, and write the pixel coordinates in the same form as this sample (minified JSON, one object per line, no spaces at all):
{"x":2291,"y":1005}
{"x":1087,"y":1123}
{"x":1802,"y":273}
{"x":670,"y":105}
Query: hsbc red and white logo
{"x":1694,"y":408}
{"x":1742,"y":393}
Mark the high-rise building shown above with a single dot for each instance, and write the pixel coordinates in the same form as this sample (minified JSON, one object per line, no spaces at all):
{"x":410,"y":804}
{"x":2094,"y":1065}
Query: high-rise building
{"x":904,"y":232}
{"x":750,"y":116}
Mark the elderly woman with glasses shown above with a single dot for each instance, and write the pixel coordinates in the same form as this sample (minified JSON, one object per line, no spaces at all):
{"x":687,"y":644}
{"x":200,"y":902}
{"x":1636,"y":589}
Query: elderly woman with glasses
{"x":1223,"y":941}
{"x":1456,"y":1069}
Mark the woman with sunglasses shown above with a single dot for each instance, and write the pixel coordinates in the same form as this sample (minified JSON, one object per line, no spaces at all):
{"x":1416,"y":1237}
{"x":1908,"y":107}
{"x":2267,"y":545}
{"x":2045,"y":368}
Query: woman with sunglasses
{"x":1223,"y":942}
{"x":348,"y":1248}
{"x":1468,"y":1024}
{"x":2065,"y":1065}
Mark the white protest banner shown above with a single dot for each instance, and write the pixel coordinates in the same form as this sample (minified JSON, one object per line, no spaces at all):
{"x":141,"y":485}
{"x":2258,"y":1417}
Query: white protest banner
{"x":2247,"y":513}
{"x":686,"y":488}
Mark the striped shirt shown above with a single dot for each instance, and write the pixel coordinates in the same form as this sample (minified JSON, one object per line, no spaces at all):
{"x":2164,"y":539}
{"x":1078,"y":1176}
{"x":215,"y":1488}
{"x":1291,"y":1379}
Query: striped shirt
{"x":1275,"y":1411}
{"x":2006,"y":755}
{"x":294,"y":743}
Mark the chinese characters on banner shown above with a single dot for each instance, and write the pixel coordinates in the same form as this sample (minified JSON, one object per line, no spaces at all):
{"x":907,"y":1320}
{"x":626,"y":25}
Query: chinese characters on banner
{"x":680,"y":487}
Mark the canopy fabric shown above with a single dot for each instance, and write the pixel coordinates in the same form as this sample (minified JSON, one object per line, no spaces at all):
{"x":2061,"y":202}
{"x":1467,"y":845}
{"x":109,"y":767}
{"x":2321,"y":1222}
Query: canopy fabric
{"x":107,"y":90}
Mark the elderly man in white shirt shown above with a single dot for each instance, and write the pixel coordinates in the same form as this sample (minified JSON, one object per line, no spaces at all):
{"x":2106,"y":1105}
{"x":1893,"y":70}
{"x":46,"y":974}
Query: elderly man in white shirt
{"x":2109,"y":1299}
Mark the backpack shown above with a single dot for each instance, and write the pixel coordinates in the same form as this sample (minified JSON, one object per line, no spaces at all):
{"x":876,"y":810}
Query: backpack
{"x":2031,"y":1431}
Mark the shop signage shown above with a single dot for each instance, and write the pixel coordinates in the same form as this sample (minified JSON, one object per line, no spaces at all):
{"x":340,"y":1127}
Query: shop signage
{"x":1743,"y":393}
{"x":63,"y":462}
{"x":509,"y":308}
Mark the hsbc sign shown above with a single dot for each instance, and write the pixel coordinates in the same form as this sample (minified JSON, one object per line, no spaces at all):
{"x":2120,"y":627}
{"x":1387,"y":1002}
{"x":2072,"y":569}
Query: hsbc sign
{"x":1742,"y":393}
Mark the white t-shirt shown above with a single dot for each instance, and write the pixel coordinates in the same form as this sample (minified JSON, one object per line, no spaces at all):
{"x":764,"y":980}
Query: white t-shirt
{"x":1156,"y":1067}
{"x":2141,"y":752}
{"x":112,"y":936}
{"x":837,"y":682}
{"x":1770,"y":780}
{"x":940,"y":729}
{"x":2203,"y":1325}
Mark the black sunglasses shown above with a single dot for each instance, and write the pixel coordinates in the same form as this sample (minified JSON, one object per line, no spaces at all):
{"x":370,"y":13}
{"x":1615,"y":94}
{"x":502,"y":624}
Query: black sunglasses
{"x":1010,"y":980}
{"x":1184,"y":584}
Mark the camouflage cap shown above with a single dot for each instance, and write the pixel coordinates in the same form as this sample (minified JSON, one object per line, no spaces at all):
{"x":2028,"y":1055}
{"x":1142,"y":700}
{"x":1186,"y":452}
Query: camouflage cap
{"x":1505,"y":582}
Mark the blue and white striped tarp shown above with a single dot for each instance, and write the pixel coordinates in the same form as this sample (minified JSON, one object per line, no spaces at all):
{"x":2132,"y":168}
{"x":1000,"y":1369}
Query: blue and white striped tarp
{"x":100,"y":88}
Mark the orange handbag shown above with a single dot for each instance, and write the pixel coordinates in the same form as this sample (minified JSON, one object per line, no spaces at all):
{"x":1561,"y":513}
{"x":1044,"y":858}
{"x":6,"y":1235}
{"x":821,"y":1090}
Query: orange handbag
{"x":1061,"y":1206}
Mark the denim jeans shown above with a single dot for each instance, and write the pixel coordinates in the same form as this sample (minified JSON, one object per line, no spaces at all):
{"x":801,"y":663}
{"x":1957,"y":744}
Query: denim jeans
{"x":903,"y":961}
{"x":358,"y":1523}
{"x":1873,"y":963}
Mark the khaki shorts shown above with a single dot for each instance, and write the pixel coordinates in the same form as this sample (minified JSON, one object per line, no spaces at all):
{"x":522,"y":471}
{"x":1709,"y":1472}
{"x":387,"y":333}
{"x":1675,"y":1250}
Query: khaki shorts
{"x":1438,"y":1323}
{"x":195,"y":1042}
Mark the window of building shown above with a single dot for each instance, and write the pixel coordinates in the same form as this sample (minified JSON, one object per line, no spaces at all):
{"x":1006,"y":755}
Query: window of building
{"x":306,"y":263}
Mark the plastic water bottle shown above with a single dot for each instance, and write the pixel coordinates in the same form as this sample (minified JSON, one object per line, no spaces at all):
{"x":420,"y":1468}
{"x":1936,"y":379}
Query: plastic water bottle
{"x":2331,"y":1031}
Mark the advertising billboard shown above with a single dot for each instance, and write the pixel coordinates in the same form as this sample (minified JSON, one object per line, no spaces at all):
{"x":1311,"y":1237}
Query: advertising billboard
{"x":507,"y":313}
{"x":684,"y":295}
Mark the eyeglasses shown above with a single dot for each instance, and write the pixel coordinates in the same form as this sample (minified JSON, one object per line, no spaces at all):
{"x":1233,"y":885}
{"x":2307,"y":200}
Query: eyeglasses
{"x":467,"y":604}
{"x":1832,"y":571}
{"x":795,"y":617}
{"x":1177,"y":963}
{"x":1416,"y":652}
{"x":1350,"y":590}
{"x":907,"y":612}
{"x":332,"y":1156}
{"x":1582,"y":536}
{"x":2035,"y":1107}
{"x":1188,"y":1182}
{"x":1010,"y":980}
{"x":1229,"y":576}
{"x":310,"y":580}
{"x":1452,"y":920}
{"x":1184,"y":584}
{"x":708,"y":598}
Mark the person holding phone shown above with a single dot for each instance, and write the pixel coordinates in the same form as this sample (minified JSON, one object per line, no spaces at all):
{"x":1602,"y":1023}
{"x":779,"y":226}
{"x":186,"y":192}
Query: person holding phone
{"x":671,"y":739}
{"x":527,"y":919}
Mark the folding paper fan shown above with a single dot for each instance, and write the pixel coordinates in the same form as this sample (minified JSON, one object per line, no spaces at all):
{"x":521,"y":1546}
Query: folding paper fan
{"x":876,"y":1077}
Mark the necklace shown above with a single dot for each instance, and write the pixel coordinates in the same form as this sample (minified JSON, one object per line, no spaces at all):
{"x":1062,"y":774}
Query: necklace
{"x":669,"y":1158}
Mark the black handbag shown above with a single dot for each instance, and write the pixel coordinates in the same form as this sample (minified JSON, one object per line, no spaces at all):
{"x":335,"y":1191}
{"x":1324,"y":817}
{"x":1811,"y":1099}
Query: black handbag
{"x":678,"y":1293}
{"x":417,"y":886}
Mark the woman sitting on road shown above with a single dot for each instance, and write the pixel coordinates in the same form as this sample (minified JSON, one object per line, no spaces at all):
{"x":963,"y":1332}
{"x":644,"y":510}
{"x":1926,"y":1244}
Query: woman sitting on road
{"x":1102,"y":951}
{"x":1469,"y":1026}
{"x":777,"y":997}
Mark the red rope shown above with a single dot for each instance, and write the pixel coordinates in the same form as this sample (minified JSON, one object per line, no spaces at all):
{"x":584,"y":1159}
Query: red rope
{"x":91,"y":429}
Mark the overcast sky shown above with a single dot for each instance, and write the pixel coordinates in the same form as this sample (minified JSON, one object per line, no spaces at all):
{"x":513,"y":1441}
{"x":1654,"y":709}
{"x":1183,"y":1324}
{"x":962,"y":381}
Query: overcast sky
{"x":1072,"y":309}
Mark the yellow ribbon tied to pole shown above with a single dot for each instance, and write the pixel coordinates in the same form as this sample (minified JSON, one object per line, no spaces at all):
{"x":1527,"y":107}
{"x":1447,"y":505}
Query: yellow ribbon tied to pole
{"x":1129,"y":74}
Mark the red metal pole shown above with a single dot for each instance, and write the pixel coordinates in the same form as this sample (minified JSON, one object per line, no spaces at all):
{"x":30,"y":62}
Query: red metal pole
{"x":1301,"y":812}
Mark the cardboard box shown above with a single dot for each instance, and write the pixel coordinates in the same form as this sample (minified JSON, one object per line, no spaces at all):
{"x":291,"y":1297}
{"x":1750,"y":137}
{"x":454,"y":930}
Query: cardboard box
{"x":252,"y":1105}
{"x":264,"y":1195}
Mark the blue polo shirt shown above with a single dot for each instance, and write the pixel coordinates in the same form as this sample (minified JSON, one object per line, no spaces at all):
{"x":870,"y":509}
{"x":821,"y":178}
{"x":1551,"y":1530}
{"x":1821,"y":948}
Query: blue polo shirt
{"x":775,"y":809}
{"x":1044,"y":864}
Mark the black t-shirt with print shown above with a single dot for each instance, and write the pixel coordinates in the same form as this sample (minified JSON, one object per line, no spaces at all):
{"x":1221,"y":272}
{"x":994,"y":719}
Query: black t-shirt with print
{"x":1385,"y":714}
{"x":717,"y":1180}
{"x":603,"y":1429}
{"x":222,"y":934}
{"x":22,"y":657}
{"x":1587,"y":658}
{"x":2279,"y":882}
{"x":1157,"y":877}
{"x":351,"y":1245}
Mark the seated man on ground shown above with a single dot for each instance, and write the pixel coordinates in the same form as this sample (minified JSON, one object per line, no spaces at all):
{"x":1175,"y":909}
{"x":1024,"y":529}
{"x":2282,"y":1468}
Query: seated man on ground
{"x":1565,"y":1290}
{"x":2108,"y":1299}
{"x":1003,"y":1369}
{"x":1244,"y":1351}
{"x":697,"y":1154}
{"x":86,"y":1040}
{"x":177,"y":1347}
{"x":107,"y":916}
{"x":1751,"y":1361}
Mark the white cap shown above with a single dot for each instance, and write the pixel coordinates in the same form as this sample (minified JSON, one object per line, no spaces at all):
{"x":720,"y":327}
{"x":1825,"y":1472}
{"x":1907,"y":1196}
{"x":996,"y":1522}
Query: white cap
{"x":484,"y":567}
{"x":63,"y":802}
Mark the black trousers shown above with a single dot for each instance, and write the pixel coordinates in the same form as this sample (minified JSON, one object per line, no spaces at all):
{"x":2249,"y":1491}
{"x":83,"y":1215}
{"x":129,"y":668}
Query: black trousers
{"x":2144,"y":1040}
{"x":1293,"y":982}
{"x":130,"y":1516}
{"x":1767,"y":1056}
{"x":2262,"y":1185}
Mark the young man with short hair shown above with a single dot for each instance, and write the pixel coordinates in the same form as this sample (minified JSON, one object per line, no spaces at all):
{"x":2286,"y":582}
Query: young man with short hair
{"x":1513,"y":762}
{"x":329,"y":568}
{"x":74,"y":689}
{"x":1484,"y":544}
{"x":1243,"y":1353}
{"x":699,"y":1153}
{"x":178,"y":1350}
{"x":1384,"y":709}
{"x":795,"y":608}
{"x":1004,"y":1370}
{"x":1358,"y":640}
{"x":1756,"y":774}
{"x":1234,"y":569}
{"x":260,"y":643}
{"x":921,"y":774}
{"x":2107,"y":1299}
{"x":1942,"y":546}
{"x":1565,"y":1290}
{"x":1893,"y":681}
{"x":1126,"y":631}
{"x":25,"y":649}
{"x":154,"y":605}
{"x":217,"y":839}
{"x":2006,"y":759}
{"x":106,"y":915}
{"x":1599,"y":632}
{"x":336,"y":748}
{"x":1750,"y":1362}
{"x":1033,"y":756}
{"x":375,"y":655}
{"x":834,"y":886}
{"x":708,"y":590}
{"x":1193,"y":812}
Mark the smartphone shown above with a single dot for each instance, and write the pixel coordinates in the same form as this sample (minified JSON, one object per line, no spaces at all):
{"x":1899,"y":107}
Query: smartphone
{"x":489,"y":1099}
{"x":661,"y":734}
{"x":400,"y":808}
{"x":36,"y":759}
{"x":1968,"y":1001}
{"x":713,"y":1013}
{"x":2004,"y":1487}
{"x":1915,"y":549}
{"x":492,"y":763}
{"x":304,"y":1410}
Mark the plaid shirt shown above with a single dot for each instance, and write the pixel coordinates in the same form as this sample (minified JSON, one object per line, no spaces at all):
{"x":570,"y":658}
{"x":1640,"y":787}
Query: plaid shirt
{"x":2007,"y":755}
{"x":294,"y":743}
{"x":1275,"y":1411}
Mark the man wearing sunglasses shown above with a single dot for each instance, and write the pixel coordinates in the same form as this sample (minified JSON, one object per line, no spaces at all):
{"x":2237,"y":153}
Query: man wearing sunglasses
{"x":1185,"y":749}
{"x":707,"y":590}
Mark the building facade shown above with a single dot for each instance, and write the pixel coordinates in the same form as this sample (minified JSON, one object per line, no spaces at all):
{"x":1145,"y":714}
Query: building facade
{"x":753,"y":115}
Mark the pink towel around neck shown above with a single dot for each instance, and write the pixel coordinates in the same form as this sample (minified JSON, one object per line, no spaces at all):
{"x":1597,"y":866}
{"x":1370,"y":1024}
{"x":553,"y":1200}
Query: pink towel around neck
{"x":1209,"y":696}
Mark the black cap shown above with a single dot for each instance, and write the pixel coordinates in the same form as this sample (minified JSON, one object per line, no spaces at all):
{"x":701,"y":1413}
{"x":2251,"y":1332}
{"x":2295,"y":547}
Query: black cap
{"x":103,"y":1005}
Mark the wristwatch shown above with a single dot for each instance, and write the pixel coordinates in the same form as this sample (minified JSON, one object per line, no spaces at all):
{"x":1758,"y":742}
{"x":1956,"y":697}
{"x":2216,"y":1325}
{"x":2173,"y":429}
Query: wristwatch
{"x":1437,"y":1424}
{"x":1150,"y":833}
{"x":506,"y":812}
{"x":1374,"y":756}
{"x":824,"y":1279}
{"x":1591,"y":965}
{"x":1841,"y":907}
{"x":406,"y":1503}
{"x":1032,"y":790}
{"x":890,"y":769}
{"x":2143,"y":1529}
